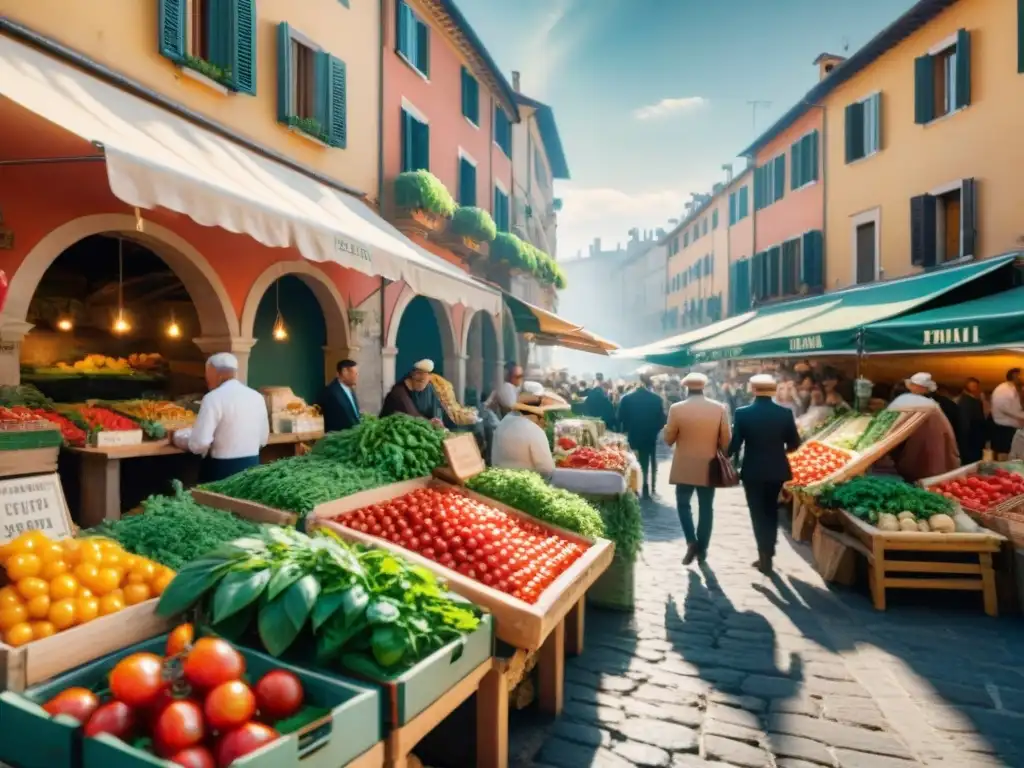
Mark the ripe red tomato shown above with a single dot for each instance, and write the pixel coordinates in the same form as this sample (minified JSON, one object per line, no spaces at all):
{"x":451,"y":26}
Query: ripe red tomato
{"x":138,"y":680}
{"x":241,"y":741}
{"x":180,"y":639}
{"x":179,"y":726}
{"x":229,"y":705}
{"x":194,"y":757}
{"x":78,"y":703}
{"x":279,"y":695}
{"x":213,"y":661}
{"x":115,"y":718}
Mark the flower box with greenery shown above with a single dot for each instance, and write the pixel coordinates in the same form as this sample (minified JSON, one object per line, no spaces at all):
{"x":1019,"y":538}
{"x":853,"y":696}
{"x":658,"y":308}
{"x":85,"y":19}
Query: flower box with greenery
{"x":311,"y":127}
{"x":548,"y":272}
{"x":420,"y":197}
{"x":209,"y":70}
{"x":513,"y":254}
{"x":472,"y":229}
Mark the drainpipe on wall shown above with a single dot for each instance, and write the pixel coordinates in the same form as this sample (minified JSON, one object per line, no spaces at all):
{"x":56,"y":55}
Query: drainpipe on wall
{"x":380,"y":108}
{"x":752,"y":160}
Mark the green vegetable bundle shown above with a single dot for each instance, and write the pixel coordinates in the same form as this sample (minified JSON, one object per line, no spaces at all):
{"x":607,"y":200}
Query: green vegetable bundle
{"x":24,"y":394}
{"x":879,"y":427}
{"x":400,"y":447}
{"x":298,"y":484}
{"x":623,"y":522}
{"x":368,"y":611}
{"x":174,"y":530}
{"x":867,"y":497}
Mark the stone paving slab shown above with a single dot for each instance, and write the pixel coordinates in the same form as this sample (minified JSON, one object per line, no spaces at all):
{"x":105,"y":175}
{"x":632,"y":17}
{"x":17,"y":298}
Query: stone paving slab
{"x":720,"y":666}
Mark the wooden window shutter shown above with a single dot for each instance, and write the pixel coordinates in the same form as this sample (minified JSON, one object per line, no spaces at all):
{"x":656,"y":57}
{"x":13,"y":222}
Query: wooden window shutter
{"x":423,"y":48}
{"x":876,"y":126}
{"x":284,"y":72}
{"x":422,"y":146}
{"x":467,"y":183}
{"x":242,"y":48}
{"x":812,"y":156}
{"x":812,"y":262}
{"x":732,"y":201}
{"x":774,"y":270}
{"x":407,"y":142}
{"x":336,"y":103}
{"x":780,"y":178}
{"x":173,"y":23}
{"x":968,"y":216}
{"x":788,"y":255}
{"x":924,"y":89}
{"x":402,"y":31}
{"x":795,"y":164}
{"x":963,"y":68}
{"x":922,"y":231}
{"x":1020,"y":35}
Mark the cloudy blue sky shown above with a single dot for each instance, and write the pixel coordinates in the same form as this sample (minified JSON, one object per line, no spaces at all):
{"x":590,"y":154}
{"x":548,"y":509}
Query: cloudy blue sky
{"x":651,"y":96}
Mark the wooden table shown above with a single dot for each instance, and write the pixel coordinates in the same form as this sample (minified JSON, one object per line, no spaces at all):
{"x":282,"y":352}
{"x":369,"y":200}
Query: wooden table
{"x":100,"y":470}
{"x":876,"y":544}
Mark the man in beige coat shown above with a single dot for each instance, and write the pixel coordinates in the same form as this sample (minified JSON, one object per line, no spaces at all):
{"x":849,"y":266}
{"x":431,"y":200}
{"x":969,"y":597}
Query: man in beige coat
{"x":698,"y":428}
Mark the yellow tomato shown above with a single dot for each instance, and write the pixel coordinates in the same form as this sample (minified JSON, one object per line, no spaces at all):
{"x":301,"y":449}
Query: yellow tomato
{"x":38,"y":607}
{"x":62,"y":614}
{"x":84,"y":592}
{"x":128,"y":561}
{"x":22,"y":565}
{"x":111,"y":603}
{"x":136,"y":593}
{"x":11,"y":615}
{"x":9,"y":596}
{"x":86,"y":573}
{"x":33,"y":586}
{"x":86,"y":609}
{"x":41,"y":629}
{"x":38,"y":538}
{"x":145,"y":569}
{"x":160,"y":583}
{"x":63,"y":587}
{"x":19,"y":634}
{"x":6,"y":550}
{"x":91,"y":553}
{"x":112,"y":559}
{"x":53,"y":569}
{"x":50,"y":552}
{"x":72,"y":551}
{"x":107,"y":580}
{"x":24,"y":544}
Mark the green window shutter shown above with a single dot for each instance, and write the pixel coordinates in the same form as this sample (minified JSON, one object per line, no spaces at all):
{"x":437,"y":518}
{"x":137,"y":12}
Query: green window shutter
{"x":744,"y":204}
{"x":422,"y":146}
{"x":242,"y":50}
{"x":686,"y":239}
{"x":422,"y":48}
{"x":854,"y":132}
{"x":173,"y":23}
{"x":922,"y":231}
{"x":812,"y":156}
{"x":284,"y":72}
{"x":876,"y":125}
{"x":336,"y":102}
{"x":796,"y":164}
{"x":467,"y":183}
{"x":714,"y":219}
{"x":407,"y":141}
{"x":758,"y":178}
{"x":1020,"y":35}
{"x":812,"y":264}
{"x":963,"y":68}
{"x":774,"y":270}
{"x":780,"y":178}
{"x":732,"y":203}
{"x":403,"y":29}
{"x":924,"y":89}
{"x":470,"y":97}
{"x":220,"y":32}
{"x":968,"y":216}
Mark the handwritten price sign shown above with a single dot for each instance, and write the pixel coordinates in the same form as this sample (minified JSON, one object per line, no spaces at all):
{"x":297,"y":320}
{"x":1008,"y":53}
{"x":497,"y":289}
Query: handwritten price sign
{"x":33,"y":504}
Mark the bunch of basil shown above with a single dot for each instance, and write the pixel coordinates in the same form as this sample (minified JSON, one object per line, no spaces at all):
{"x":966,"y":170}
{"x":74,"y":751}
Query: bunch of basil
{"x":368,"y":610}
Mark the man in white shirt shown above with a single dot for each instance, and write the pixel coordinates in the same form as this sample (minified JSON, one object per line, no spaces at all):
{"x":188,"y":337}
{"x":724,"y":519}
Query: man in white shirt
{"x":232,"y":424}
{"x":1007,"y":413}
{"x":520,"y":441}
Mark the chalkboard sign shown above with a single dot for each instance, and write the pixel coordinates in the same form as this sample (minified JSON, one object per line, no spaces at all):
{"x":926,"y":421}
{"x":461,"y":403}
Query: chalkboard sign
{"x":33,"y":503}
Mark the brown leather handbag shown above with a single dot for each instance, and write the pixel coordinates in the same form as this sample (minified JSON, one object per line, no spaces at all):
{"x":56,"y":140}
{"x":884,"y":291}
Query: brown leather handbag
{"x":721,"y":472}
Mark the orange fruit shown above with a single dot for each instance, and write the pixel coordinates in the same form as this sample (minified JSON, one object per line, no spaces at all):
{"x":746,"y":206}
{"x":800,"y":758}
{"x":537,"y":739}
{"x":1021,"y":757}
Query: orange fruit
{"x":111,"y":603}
{"x":23,"y":544}
{"x":19,"y":634}
{"x":136,"y":593}
{"x":62,"y":613}
{"x":146,"y":569}
{"x":50,"y":552}
{"x":12,"y":615}
{"x":38,"y":607}
{"x":64,"y":586}
{"x":53,"y":569}
{"x":92,"y":552}
{"x":23,"y":565}
{"x":128,"y":561}
{"x":72,"y":551}
{"x":9,"y":596}
{"x":86,"y":573}
{"x":107,"y":580}
{"x":86,"y":609}
{"x":33,"y":586}
{"x":160,"y":583}
{"x":41,"y":629}
{"x":84,"y":592}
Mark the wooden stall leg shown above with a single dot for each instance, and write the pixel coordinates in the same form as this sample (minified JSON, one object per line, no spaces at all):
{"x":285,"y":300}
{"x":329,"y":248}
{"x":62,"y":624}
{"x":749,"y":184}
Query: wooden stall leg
{"x":878,"y":578}
{"x":492,"y":720}
{"x":551,"y":671}
{"x":574,"y":626}
{"x":988,"y":584}
{"x":101,"y":489}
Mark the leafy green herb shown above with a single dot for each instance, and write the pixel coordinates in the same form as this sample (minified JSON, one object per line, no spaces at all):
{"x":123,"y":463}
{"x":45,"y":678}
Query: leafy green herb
{"x":880,"y":425}
{"x":867,"y":497}
{"x":623,"y":522}
{"x":398,"y":447}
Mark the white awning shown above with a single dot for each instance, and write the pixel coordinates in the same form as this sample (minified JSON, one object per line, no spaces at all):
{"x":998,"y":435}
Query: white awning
{"x":156,"y":159}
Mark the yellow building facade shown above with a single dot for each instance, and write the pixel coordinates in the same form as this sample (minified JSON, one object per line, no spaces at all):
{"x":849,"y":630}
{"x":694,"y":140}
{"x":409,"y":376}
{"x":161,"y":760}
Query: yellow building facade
{"x":923,"y":158}
{"x":225,"y":65}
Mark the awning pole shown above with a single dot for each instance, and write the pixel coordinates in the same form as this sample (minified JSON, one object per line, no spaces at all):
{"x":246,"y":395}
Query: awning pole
{"x":50,"y":160}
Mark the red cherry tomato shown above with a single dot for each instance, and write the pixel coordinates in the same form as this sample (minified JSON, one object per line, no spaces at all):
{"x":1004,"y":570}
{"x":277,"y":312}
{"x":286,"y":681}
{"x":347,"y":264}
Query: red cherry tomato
{"x":213,"y":661}
{"x":115,"y":718}
{"x":78,"y":703}
{"x":241,"y":741}
{"x":138,"y":680}
{"x":179,"y":726}
{"x":229,"y":705}
{"x":194,"y":757}
{"x":279,"y":695}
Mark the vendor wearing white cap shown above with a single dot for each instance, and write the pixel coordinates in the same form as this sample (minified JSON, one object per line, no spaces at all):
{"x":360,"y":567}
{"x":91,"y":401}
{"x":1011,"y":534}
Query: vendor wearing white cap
{"x":232,"y":424}
{"x":414,"y":395}
{"x":932,"y":448}
{"x":520,"y":441}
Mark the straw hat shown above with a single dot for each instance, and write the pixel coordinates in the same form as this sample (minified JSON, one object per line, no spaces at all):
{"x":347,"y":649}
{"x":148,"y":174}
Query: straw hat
{"x":695,"y":380}
{"x":763,"y":384}
{"x":534,"y":399}
{"x":921,"y":380}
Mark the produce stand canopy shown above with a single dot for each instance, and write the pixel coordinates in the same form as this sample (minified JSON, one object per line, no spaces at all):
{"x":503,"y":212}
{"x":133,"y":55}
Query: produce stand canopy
{"x":991,"y":322}
{"x":830,"y":324}
{"x":548,"y":329}
{"x":673,"y":350}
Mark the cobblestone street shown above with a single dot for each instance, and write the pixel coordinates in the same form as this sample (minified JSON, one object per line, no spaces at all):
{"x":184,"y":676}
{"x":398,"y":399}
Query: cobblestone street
{"x":722,"y":666}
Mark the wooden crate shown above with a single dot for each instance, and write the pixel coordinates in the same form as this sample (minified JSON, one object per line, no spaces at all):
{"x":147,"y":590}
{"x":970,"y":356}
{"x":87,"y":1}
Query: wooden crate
{"x":875,"y":544}
{"x":250,"y":510}
{"x":518,"y":623}
{"x":36,"y":461}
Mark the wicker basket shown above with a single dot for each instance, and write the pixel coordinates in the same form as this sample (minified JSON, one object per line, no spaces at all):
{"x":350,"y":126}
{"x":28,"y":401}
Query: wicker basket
{"x":615,"y":589}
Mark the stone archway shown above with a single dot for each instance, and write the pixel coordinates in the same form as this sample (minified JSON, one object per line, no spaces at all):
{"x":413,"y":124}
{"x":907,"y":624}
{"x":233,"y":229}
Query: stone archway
{"x":454,"y":359}
{"x":332,"y":304}
{"x":217,"y":319}
{"x":481,"y":349}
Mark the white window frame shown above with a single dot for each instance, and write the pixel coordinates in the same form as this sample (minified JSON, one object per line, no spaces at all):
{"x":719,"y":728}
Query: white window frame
{"x":870,"y":216}
{"x":409,"y":107}
{"x":940,"y":221}
{"x":464,"y":155}
{"x":498,"y":185}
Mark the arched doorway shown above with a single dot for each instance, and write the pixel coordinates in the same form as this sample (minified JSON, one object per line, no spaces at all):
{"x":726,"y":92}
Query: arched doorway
{"x":424,"y":331}
{"x":481,"y":350}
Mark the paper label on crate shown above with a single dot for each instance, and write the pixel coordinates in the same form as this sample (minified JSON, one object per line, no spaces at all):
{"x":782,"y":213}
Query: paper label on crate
{"x":33,"y":503}
{"x":112,"y":438}
{"x":464,"y":457}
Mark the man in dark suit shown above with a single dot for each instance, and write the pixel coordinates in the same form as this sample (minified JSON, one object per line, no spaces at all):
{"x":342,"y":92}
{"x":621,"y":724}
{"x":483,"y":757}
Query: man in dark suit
{"x":338,"y":401}
{"x":642,"y":417}
{"x":598,"y":405}
{"x":767,"y":432}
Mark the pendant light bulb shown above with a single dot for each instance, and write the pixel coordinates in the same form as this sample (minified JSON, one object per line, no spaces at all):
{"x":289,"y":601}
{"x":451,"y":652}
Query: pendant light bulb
{"x":65,"y":324}
{"x":121,"y":325}
{"x":174,"y":330}
{"x":280,"y":333}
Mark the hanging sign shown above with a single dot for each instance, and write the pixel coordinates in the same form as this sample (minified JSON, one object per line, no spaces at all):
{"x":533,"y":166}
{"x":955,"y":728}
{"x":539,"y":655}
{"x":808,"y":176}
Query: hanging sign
{"x":34,"y":503}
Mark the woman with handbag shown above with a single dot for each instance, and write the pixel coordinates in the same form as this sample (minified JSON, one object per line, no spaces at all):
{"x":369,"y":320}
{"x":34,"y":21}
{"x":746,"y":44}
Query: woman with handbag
{"x":698,"y":428}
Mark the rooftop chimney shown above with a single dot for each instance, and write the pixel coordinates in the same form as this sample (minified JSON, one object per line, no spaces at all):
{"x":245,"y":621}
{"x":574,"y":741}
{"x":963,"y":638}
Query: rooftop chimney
{"x":826,"y":62}
{"x":515,"y":82}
